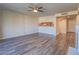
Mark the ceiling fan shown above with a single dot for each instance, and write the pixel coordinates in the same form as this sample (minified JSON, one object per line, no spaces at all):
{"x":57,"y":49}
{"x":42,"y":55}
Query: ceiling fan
{"x":35,"y":8}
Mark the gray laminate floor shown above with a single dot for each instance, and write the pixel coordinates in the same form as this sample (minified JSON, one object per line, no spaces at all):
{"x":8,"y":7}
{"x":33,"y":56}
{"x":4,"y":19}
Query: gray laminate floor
{"x":35,"y":44}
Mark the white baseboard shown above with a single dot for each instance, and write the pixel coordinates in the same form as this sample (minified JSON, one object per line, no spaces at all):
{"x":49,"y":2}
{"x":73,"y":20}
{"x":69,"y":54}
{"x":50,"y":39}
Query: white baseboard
{"x":13,"y":36}
{"x":16,"y":36}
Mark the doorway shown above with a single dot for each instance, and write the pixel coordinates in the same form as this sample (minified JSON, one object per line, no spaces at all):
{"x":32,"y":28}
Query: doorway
{"x":71,"y":30}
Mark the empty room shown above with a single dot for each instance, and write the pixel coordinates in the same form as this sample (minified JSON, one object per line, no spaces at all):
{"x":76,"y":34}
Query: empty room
{"x":39,"y":28}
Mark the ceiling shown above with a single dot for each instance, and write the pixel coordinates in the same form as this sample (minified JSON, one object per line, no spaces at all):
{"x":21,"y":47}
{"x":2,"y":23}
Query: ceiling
{"x":50,"y":8}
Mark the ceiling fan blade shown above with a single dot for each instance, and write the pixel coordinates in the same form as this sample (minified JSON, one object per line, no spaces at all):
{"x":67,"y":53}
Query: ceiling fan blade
{"x":40,"y":10}
{"x":40,"y":7}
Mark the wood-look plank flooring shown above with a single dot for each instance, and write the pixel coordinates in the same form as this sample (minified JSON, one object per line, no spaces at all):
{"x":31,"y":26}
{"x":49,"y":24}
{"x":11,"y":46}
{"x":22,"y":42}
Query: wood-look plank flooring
{"x":71,"y":38}
{"x":35,"y":44}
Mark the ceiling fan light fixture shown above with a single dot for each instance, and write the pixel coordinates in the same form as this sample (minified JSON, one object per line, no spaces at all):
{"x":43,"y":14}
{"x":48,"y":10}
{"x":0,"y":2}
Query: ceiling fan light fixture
{"x":35,"y":10}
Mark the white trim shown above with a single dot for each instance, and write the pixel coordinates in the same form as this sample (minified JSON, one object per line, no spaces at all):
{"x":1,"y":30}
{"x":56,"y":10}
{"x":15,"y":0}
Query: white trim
{"x":16,"y":36}
{"x":67,"y":13}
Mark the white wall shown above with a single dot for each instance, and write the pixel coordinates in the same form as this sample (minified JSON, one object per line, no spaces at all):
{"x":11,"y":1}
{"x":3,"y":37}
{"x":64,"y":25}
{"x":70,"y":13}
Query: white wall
{"x":30,"y":24}
{"x":77,"y":32}
{"x":0,"y":24}
{"x":46,"y":29}
{"x":17,"y":24}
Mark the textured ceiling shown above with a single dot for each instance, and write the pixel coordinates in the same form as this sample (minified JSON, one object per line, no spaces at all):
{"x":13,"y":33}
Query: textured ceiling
{"x":50,"y":8}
